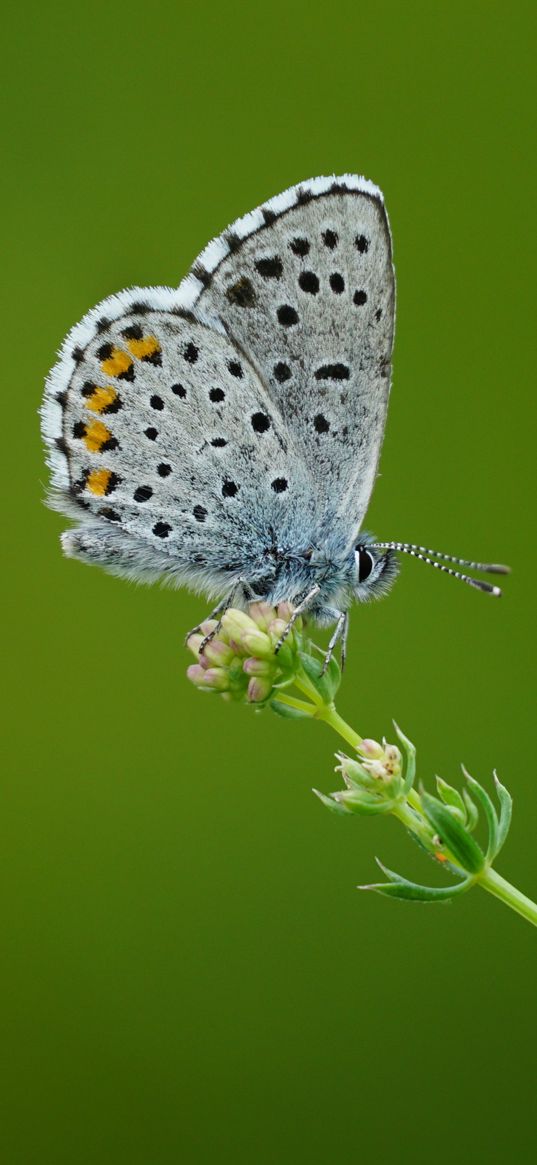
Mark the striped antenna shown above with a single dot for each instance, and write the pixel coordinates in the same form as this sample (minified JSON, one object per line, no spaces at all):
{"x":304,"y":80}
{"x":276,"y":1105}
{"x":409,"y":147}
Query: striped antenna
{"x":428,"y":556}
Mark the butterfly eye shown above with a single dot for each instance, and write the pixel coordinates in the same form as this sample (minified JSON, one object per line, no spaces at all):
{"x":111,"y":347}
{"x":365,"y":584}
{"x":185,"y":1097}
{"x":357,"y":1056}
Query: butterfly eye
{"x":364,"y":562}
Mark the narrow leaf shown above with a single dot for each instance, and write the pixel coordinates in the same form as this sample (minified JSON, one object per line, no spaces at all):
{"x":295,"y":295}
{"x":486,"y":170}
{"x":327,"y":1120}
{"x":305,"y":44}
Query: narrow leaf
{"x":410,"y":758}
{"x":369,"y":806}
{"x":454,"y":835}
{"x":334,"y":806}
{"x":471,"y":811}
{"x":506,"y":808}
{"x":327,"y":684}
{"x":451,"y":796}
{"x":399,"y":887}
{"x":489,"y":811}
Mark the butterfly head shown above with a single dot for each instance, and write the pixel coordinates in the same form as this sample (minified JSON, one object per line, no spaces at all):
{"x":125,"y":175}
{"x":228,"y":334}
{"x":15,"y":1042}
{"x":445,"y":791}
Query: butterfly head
{"x":376,"y":569}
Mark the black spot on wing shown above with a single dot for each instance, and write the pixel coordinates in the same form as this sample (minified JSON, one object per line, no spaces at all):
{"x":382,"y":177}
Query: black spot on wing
{"x":299,"y":247}
{"x":282,"y":372}
{"x":337,"y":283}
{"x":270,"y":268}
{"x":287,"y":315}
{"x":133,"y":332}
{"x":309,"y":282}
{"x":190,"y":353}
{"x":229,"y":489}
{"x":260,"y":422}
{"x":333,"y":372}
{"x":143,"y":493}
{"x":330,"y":239}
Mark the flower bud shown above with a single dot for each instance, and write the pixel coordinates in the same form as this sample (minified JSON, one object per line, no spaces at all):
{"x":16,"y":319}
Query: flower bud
{"x":257,"y":643}
{"x":370,"y":749}
{"x":235,"y":623}
{"x":261,"y":613}
{"x":355,"y":775}
{"x":277,"y":628}
{"x":208,"y":626}
{"x":257,"y":667}
{"x":217,"y":652}
{"x":387,"y":766}
{"x":216,"y":678}
{"x":259,"y":689}
{"x":194,"y":643}
{"x":285,"y":612}
{"x":196,"y":674}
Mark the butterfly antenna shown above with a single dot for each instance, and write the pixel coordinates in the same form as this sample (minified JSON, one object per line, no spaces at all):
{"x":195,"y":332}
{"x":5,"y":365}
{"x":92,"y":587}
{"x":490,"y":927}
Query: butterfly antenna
{"x":429,"y":556}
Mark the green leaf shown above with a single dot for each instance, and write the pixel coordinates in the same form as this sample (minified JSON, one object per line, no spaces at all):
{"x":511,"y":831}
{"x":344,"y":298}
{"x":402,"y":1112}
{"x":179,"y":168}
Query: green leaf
{"x":398,"y":887}
{"x":287,"y":712}
{"x":368,"y":806}
{"x":334,"y":806}
{"x":506,"y":808}
{"x":327,"y":684}
{"x":472,"y":813}
{"x":451,"y":796}
{"x":454,"y":834}
{"x":410,"y":758}
{"x":489,"y":811}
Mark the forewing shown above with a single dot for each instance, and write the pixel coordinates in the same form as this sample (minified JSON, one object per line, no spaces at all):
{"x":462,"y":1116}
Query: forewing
{"x":305,"y":285}
{"x":160,"y":430}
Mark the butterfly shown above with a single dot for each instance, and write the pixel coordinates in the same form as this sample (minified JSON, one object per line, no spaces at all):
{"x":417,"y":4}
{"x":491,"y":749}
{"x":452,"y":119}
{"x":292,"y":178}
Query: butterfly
{"x":225,"y":435}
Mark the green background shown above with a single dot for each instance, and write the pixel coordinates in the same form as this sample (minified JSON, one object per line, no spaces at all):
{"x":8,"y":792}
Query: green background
{"x":189,"y":972}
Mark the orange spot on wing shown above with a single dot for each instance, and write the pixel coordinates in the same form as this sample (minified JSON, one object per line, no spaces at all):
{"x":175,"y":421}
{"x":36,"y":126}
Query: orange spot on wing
{"x":116,"y":363}
{"x":98,"y":481}
{"x":96,"y":436}
{"x":147,"y":346}
{"x":101,"y":397}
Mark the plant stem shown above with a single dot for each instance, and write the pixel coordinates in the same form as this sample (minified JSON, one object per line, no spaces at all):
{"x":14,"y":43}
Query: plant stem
{"x":507,"y":893}
{"x":328,"y":714}
{"x":292,"y":702}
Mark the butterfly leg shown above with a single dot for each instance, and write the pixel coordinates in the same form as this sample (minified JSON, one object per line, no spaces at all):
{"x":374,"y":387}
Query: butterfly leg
{"x":227,"y":601}
{"x":302,"y":606}
{"x":340,"y":632}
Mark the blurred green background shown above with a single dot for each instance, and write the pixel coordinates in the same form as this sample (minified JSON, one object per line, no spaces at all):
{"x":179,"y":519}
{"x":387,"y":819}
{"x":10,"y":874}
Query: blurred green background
{"x":189,"y":973}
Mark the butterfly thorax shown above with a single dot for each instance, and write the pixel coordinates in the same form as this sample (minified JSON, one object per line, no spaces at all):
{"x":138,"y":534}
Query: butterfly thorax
{"x":286,"y":574}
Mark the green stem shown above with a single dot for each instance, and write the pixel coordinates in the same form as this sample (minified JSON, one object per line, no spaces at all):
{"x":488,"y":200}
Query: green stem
{"x":292,"y":702}
{"x":507,"y":893}
{"x":328,"y":714}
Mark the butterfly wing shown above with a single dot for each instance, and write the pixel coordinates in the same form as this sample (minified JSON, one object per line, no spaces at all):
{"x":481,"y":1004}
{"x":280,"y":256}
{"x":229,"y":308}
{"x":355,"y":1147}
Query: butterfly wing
{"x":305,"y":286}
{"x":165,"y":446}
